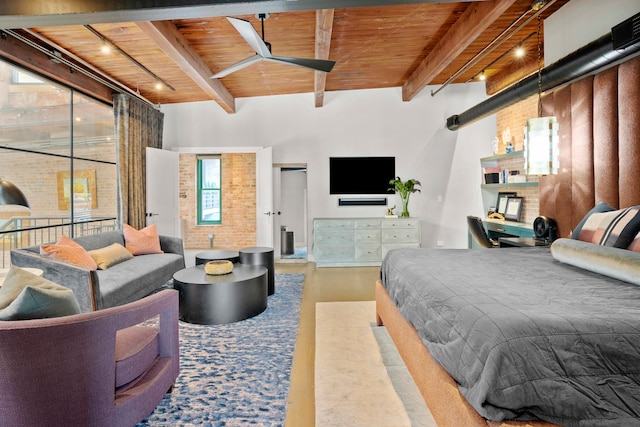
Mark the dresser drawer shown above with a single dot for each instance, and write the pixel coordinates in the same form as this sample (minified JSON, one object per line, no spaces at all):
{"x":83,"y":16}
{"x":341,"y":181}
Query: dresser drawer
{"x":334,"y":237}
{"x":401,"y":235}
{"x":367,"y":224}
{"x":401,"y":223}
{"x":334,"y":254}
{"x":368,"y":236}
{"x":368,"y":253}
{"x":343,"y":224}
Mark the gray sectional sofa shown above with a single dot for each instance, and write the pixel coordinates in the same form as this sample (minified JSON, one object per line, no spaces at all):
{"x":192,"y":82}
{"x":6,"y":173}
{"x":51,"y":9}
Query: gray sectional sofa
{"x":122,"y":283}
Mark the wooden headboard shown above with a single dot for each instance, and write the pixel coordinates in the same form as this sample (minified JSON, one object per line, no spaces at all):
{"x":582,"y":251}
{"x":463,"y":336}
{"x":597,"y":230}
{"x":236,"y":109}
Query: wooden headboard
{"x":599,"y":119}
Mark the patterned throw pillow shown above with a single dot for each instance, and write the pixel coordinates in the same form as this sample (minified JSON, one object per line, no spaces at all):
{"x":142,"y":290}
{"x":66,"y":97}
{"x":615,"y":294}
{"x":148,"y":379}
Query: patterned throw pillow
{"x":616,"y":228}
{"x":142,"y":242}
{"x":600,"y":207}
{"x":66,"y":249}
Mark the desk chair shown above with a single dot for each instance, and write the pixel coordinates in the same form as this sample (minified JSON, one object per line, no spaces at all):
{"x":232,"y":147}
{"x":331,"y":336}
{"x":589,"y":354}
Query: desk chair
{"x":476,"y":228}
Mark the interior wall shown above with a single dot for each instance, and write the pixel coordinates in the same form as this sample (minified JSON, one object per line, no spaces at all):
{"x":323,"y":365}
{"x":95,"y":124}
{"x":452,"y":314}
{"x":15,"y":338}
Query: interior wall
{"x":579,"y":22}
{"x":359,"y":123}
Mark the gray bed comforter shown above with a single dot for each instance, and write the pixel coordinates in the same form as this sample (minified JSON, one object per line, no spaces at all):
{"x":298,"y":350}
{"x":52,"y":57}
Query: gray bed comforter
{"x":526,"y":337}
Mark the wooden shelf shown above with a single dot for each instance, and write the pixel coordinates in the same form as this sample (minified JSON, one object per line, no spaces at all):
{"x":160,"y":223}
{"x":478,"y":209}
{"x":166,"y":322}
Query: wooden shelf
{"x":512,"y":184}
{"x":502,"y":156}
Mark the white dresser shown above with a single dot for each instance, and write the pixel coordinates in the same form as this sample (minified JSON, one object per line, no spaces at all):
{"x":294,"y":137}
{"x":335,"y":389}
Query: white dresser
{"x":341,"y":242}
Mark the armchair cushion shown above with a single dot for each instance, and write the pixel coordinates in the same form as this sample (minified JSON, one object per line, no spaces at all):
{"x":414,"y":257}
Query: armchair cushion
{"x":137,"y":348}
{"x":25,"y":295}
{"x":110,"y":255}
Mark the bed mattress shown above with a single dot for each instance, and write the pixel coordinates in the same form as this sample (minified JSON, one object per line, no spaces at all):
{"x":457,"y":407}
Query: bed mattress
{"x":525,"y":337}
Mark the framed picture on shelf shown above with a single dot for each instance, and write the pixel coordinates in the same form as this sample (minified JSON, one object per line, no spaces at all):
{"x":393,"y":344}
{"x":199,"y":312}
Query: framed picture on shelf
{"x":514,"y":209}
{"x":501,"y":204}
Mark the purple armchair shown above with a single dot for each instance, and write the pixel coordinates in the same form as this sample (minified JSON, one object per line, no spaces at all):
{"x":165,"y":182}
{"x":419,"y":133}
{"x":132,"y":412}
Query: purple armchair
{"x":92,"y":369}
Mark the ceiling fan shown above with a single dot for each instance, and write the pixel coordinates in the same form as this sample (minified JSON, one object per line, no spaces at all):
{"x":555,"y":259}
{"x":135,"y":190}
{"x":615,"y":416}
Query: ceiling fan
{"x":263,"y":50}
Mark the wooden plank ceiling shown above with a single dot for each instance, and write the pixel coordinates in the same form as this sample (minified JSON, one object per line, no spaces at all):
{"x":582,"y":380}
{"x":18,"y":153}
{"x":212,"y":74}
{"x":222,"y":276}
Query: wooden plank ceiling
{"x":409,"y":46}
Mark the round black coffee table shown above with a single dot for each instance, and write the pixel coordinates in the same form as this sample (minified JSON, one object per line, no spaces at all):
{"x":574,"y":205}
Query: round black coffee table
{"x":260,"y":256}
{"x":211,"y":300}
{"x":217,"y":255}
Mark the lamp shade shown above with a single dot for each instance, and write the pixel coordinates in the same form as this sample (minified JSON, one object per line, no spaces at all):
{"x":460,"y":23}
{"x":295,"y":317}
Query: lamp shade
{"x":11,"y":195}
{"x":541,"y":151}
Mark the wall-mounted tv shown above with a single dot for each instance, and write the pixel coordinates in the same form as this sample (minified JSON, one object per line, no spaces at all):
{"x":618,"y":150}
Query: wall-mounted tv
{"x":361,"y":175}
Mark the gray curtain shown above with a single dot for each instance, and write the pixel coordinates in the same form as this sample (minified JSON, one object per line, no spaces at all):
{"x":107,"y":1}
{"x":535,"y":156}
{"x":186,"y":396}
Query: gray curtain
{"x":138,"y":126}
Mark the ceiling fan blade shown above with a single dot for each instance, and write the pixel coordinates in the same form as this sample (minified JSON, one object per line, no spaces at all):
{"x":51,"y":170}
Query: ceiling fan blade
{"x":314,"y":64}
{"x":252,"y":37}
{"x":238,"y":66}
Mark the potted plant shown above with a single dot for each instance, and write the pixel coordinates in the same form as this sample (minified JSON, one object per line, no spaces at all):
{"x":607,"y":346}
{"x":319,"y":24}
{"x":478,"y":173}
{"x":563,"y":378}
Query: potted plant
{"x":404,"y":189}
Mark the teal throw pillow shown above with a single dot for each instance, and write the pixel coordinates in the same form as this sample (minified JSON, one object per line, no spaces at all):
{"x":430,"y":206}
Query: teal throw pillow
{"x":25,"y":295}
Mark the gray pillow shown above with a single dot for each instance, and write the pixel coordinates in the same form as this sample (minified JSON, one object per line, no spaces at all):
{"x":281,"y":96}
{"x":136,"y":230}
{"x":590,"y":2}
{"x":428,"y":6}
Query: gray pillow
{"x":600,"y":207}
{"x":25,"y":295}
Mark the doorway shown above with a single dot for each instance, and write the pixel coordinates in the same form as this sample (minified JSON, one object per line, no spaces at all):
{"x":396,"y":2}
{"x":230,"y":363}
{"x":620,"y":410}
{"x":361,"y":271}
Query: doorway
{"x":290,"y":203}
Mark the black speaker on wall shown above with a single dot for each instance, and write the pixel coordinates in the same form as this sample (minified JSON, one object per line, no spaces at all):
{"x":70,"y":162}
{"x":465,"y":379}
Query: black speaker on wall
{"x":372,"y":201}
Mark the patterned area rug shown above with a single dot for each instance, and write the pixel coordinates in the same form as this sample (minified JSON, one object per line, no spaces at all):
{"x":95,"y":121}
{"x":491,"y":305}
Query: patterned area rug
{"x":236,"y":374}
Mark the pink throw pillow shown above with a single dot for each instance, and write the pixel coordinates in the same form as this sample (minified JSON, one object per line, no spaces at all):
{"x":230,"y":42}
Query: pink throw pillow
{"x":66,"y":249}
{"x":142,"y":242}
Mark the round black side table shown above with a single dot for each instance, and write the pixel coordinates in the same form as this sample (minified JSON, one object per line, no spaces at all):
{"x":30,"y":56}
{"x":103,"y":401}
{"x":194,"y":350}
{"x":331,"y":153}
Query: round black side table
{"x":261,"y":256}
{"x":211,"y":300}
{"x":217,"y":255}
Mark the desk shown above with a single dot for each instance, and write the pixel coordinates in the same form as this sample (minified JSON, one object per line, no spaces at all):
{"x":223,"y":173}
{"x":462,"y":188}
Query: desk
{"x":497,"y":228}
{"x":508,"y":242}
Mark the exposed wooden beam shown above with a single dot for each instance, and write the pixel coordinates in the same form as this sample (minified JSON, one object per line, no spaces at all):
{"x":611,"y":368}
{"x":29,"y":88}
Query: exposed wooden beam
{"x":510,"y":74}
{"x":324,"y":28}
{"x":46,"y":13}
{"x":166,"y":35}
{"x":32,"y":59}
{"x":475,"y":19}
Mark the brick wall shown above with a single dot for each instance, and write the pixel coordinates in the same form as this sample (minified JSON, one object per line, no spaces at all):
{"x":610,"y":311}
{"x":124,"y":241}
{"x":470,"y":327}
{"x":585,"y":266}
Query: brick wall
{"x":36,"y":176}
{"x":514,"y":118}
{"x":238,"y":228}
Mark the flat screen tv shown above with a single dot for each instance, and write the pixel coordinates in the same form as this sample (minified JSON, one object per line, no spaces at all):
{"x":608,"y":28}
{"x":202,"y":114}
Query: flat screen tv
{"x":361,"y":175}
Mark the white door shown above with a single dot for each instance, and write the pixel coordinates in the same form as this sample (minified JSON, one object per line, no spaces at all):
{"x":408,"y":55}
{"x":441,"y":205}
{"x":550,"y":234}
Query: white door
{"x":264,"y":198}
{"x":163,"y":186}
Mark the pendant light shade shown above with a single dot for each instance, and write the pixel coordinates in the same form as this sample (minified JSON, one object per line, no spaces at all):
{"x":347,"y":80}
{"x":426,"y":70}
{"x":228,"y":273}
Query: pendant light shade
{"x":11,"y":195}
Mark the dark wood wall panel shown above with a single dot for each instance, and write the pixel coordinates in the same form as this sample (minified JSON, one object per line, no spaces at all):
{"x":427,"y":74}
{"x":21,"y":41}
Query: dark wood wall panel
{"x":599,"y":119}
{"x":605,"y":137}
{"x":555,"y":190}
{"x":629,"y":132}
{"x":582,"y":181}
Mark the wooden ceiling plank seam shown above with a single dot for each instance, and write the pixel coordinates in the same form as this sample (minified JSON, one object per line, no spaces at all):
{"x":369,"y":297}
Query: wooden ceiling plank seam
{"x":169,"y":39}
{"x":324,"y":29}
{"x":471,"y":24}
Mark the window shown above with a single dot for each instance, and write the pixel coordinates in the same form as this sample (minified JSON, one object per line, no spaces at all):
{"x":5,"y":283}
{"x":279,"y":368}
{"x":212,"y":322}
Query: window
{"x":209,"y":195}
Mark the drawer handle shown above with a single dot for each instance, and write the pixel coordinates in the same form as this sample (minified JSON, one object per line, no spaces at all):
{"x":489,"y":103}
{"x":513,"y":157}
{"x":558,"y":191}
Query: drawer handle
{"x":500,"y":229}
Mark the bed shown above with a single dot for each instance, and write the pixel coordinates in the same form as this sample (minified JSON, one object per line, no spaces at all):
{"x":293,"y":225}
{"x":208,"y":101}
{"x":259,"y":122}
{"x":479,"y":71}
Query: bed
{"x":518,"y":337}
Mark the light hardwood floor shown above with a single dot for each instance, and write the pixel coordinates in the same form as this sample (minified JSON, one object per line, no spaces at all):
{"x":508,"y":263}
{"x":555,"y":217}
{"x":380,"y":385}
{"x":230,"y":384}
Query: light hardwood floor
{"x":321,"y":285}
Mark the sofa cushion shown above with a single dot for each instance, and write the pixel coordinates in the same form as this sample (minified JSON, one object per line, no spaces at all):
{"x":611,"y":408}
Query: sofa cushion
{"x":111,"y":255}
{"x":25,"y":295}
{"x":66,"y":249}
{"x":142,"y":242}
{"x":136,"y":278}
{"x":137,"y":348}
